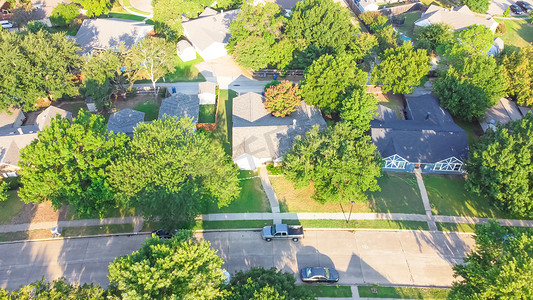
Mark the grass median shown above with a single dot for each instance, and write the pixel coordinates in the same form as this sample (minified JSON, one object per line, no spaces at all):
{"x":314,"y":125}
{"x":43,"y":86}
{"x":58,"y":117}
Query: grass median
{"x":402,"y":292}
{"x":330,"y":291}
{"x":355,"y":224}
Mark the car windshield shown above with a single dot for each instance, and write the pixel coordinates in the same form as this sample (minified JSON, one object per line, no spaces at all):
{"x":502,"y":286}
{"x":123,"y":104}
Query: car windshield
{"x":273,"y":230}
{"x":308,"y":272}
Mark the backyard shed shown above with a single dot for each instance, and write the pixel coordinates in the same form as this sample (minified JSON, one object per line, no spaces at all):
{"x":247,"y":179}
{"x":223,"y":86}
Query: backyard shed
{"x":207,"y":92}
{"x":185,"y":50}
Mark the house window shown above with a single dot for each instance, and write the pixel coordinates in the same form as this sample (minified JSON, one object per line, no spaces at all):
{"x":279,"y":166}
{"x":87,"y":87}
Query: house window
{"x":395,"y":162}
{"x":450,"y":164}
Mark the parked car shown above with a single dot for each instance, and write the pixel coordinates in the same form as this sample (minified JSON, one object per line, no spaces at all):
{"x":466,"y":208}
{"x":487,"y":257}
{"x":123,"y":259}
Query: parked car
{"x":6,"y":24}
{"x":283,"y":231}
{"x":525,"y":6}
{"x":319,"y":274}
{"x":164,"y":234}
{"x":516,"y":9}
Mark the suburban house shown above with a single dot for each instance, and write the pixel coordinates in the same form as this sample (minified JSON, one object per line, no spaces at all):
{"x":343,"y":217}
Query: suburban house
{"x":181,"y":106}
{"x":14,"y":136}
{"x":259,"y":137}
{"x":104,"y":34}
{"x":366,"y":5}
{"x":428,"y":140}
{"x":209,"y":34}
{"x":459,"y":18}
{"x":503,"y":112}
{"x":125,"y":121}
{"x":207,"y":92}
{"x":185,"y":50}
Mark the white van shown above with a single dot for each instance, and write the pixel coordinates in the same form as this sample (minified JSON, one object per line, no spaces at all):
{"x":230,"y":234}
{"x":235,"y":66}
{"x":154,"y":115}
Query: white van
{"x":6,"y":24}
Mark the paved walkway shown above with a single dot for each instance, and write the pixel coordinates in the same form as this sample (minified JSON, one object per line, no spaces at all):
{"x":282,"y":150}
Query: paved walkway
{"x":427,"y":207}
{"x":271,"y":195}
{"x":355,"y":296}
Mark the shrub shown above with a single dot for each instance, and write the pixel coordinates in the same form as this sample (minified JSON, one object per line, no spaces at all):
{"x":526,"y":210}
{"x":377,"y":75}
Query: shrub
{"x":507,"y":12}
{"x":64,"y":14}
{"x":271,"y":84}
{"x":501,"y":29}
{"x":273,"y":170}
{"x":282,"y":99}
{"x":369,"y":17}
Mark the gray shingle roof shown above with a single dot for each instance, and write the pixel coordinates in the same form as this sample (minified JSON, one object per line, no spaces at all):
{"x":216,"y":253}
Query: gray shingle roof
{"x":419,"y":139}
{"x":459,"y":18}
{"x":205,"y":31}
{"x":181,"y":106}
{"x":43,"y":119}
{"x":109,"y":33}
{"x":182,"y":45}
{"x":258,"y":133}
{"x":10,"y":118}
{"x":10,"y":155}
{"x":125,"y":121}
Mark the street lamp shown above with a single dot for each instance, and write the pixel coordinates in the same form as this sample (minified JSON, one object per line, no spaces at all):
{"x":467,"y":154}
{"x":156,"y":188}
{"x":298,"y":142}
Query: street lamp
{"x":351,"y":207}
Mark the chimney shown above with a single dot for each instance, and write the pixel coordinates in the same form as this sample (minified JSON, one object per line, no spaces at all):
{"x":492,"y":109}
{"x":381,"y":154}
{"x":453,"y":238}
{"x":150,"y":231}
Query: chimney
{"x":428,"y":115}
{"x":294,"y":122}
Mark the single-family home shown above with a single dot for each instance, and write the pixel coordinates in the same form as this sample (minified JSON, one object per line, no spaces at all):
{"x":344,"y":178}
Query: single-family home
{"x":459,"y":18}
{"x":207,"y":92}
{"x":125,"y":121}
{"x":181,"y":106}
{"x":367,"y":5}
{"x":185,"y":50}
{"x":104,"y":34}
{"x":210,"y":34}
{"x":428,"y":140}
{"x":503,"y":112}
{"x":259,"y":137}
{"x":14,"y":136}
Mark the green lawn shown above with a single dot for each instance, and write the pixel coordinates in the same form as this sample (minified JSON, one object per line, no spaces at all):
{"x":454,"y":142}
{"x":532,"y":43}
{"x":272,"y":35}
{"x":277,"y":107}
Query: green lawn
{"x":473,"y":129}
{"x":399,"y":194}
{"x":455,"y":227}
{"x":332,"y":291}
{"x":150,"y":110}
{"x":109,"y":213}
{"x":207,"y":113}
{"x":409,"y":26}
{"x":449,"y":197}
{"x":11,"y":207}
{"x":251,"y":199}
{"x":73,"y":107}
{"x":94,"y":230}
{"x":125,"y":15}
{"x":224,"y":119}
{"x":442,"y":3}
{"x":70,"y":31}
{"x":205,"y":225}
{"x":519,"y":33}
{"x":372,"y":224}
{"x":403,"y":292}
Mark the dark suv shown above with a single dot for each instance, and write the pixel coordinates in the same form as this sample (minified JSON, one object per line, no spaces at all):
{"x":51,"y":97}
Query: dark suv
{"x":525,"y":6}
{"x":516,"y":9}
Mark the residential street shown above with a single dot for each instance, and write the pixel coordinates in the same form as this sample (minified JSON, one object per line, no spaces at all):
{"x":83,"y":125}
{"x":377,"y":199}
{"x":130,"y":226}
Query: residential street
{"x":383,"y":257}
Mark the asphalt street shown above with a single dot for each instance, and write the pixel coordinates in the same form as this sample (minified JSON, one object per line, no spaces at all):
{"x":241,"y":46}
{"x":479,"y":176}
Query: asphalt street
{"x":382,"y":257}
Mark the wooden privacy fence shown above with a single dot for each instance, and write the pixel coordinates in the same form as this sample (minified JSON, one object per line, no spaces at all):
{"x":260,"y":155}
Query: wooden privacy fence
{"x":414,"y":5}
{"x":264,"y":73}
{"x":210,"y":126}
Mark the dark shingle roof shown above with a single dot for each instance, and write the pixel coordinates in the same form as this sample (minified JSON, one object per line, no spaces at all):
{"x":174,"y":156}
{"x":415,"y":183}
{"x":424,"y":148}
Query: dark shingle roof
{"x":421,"y":138}
{"x":125,"y":121}
{"x":181,"y":106}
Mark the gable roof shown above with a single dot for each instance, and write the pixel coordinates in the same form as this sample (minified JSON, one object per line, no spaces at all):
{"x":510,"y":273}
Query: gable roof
{"x":503,"y":112}
{"x":421,"y":138}
{"x":258,"y":133}
{"x":125,"y":121}
{"x":44,"y":118}
{"x":109,"y":33}
{"x":205,"y":31}
{"x":459,"y":18}
{"x":181,"y":106}
{"x":10,"y":118}
{"x":183,"y":45}
{"x":10,"y":155}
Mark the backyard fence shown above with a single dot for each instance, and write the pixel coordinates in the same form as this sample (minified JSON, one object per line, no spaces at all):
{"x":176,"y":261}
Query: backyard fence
{"x":265,"y":73}
{"x":210,"y":126}
{"x":400,"y":9}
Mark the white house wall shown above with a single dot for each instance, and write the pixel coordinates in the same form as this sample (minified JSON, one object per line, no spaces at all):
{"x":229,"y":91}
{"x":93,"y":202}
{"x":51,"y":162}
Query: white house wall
{"x":214,"y":51}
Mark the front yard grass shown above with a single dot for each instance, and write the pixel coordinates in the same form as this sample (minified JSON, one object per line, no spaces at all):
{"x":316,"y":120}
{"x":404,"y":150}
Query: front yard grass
{"x":207,"y":113}
{"x":456,"y":227}
{"x":332,"y":291}
{"x":403,"y":292}
{"x":368,"y":224}
{"x":519,"y":33}
{"x":448,"y":196}
{"x":183,"y":72}
{"x":224,"y":119}
{"x":206,"y":225}
{"x":66,"y":232}
{"x":11,"y":207}
{"x":251,"y":199}
{"x":149,"y":108}
{"x":399,"y":194}
{"x":125,"y":15}
{"x":408,"y":26}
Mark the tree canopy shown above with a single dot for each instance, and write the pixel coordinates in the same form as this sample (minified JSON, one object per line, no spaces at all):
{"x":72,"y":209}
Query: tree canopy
{"x":500,"y":267}
{"x":329,"y":79}
{"x":471,"y":86}
{"x":479,"y":6}
{"x":95,"y":8}
{"x":517,"y":70}
{"x":67,"y":164}
{"x":283,"y":98}
{"x":266,"y":284}
{"x":172,"y":172}
{"x":401,"y":69}
{"x":435,"y":35}
{"x":36,"y":66}
{"x":359,"y":108}
{"x":57,"y":289}
{"x":63,"y":14}
{"x":341,"y":162}
{"x":177,"y":268}
{"x":499,"y":166}
{"x":476,"y":39}
{"x":167,"y":19}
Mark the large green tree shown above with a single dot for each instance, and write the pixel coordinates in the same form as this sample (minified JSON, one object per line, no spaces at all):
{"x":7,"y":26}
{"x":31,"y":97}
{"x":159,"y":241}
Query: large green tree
{"x":173,"y":172}
{"x":36,"y":66}
{"x":401,"y":69}
{"x":341,"y":162}
{"x":57,"y":289}
{"x":499,"y":166}
{"x":167,"y":19}
{"x":266,"y":284}
{"x":67,"y":164}
{"x":282,"y":99}
{"x":253,"y":52}
{"x":500,"y":267}
{"x":517,"y":70}
{"x":435,"y":35}
{"x":359,"y":108}
{"x":95,"y":8}
{"x":323,"y":23}
{"x":479,"y":6}
{"x":151,"y":59}
{"x":471,"y":86}
{"x":179,"y":268}
{"x":329,"y":79}
{"x":476,"y":39}
{"x":63,"y":14}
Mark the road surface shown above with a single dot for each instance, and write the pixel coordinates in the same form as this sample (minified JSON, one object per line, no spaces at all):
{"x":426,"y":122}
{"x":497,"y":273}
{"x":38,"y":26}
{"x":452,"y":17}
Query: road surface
{"x":383,"y":257}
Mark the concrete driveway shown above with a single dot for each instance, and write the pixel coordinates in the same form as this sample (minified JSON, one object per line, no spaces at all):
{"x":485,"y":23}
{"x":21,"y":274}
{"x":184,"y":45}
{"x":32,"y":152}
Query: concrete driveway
{"x":384,"y":257}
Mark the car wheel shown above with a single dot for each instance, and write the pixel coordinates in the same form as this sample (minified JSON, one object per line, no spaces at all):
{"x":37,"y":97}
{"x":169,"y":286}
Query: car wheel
{"x":295,"y":239}
{"x":268,"y":239}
